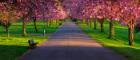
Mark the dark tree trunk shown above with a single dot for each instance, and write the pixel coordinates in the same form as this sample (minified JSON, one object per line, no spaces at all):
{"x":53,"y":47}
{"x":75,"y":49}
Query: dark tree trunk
{"x":7,"y":31}
{"x":35,"y":26}
{"x":111,"y":29}
{"x":102,"y":25}
{"x":24,"y":33}
{"x":95,"y":24}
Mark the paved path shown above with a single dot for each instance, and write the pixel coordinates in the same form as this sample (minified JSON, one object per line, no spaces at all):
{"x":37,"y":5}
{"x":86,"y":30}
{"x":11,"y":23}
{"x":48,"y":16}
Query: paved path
{"x":70,"y":43}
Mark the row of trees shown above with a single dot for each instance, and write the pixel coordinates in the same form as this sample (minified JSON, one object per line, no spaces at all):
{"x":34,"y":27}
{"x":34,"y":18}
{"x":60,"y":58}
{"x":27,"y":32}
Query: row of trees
{"x":29,"y":10}
{"x":126,"y":12}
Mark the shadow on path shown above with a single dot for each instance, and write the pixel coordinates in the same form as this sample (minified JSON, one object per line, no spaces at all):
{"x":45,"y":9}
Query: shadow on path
{"x":71,"y":53}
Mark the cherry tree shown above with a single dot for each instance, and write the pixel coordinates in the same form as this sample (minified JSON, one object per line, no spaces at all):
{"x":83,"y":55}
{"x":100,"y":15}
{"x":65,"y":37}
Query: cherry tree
{"x":7,"y":14}
{"x":27,"y":10}
{"x":124,"y":11}
{"x":50,"y":10}
{"x":113,"y":12}
{"x":130,"y":9}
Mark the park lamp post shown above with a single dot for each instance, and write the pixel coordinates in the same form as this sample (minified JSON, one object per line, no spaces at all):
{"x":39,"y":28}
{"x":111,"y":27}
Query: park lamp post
{"x":44,"y":30}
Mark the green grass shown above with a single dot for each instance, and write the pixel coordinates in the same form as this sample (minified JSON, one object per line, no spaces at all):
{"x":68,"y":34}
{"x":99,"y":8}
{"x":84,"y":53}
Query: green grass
{"x":14,"y":46}
{"x":119,"y":44}
{"x":16,"y":28}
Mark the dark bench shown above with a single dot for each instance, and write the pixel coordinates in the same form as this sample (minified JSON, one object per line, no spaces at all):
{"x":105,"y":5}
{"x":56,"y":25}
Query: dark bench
{"x":32,"y":43}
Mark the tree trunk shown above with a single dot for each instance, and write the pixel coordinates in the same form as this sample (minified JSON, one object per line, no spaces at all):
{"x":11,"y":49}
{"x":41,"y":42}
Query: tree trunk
{"x":111,"y":30}
{"x":131,"y":35}
{"x":7,"y":31}
{"x":35,"y":26}
{"x":24,"y":28}
{"x":95,"y":24}
{"x":102,"y":25}
{"x":131,"y":26}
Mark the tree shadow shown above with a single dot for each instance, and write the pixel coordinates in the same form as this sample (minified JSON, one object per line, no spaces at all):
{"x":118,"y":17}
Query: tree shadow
{"x":71,"y":53}
{"x":11,"y":52}
{"x":129,"y":52}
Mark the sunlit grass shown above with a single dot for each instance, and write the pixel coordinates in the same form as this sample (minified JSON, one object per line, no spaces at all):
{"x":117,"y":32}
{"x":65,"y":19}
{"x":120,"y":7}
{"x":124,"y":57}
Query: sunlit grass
{"x":119,"y":44}
{"x":14,"y":46}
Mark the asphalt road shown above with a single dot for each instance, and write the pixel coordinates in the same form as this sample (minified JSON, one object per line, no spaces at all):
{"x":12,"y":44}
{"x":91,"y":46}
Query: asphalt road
{"x":70,"y":43}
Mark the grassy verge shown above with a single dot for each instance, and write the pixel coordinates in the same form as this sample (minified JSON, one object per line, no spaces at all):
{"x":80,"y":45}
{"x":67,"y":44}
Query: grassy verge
{"x":119,"y":44}
{"x":14,"y":46}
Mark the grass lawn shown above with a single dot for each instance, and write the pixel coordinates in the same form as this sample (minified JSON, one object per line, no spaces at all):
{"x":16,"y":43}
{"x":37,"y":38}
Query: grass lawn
{"x":14,"y":46}
{"x":119,"y":44}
